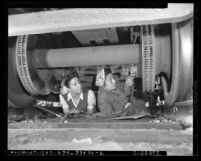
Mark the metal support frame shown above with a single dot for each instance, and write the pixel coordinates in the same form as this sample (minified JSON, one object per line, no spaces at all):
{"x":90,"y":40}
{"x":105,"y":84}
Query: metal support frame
{"x":86,"y":19}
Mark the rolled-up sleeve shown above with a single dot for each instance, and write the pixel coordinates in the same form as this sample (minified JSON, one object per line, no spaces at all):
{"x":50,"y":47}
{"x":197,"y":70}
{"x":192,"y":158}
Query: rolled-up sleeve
{"x":64,"y":105}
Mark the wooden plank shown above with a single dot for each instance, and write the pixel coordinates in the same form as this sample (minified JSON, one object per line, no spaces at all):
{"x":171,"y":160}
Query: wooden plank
{"x":92,"y":123}
{"x":133,"y":117}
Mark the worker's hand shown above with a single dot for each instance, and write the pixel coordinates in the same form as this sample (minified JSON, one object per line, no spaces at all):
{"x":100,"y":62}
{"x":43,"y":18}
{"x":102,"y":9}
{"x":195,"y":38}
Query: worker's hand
{"x":127,"y":106}
{"x":63,"y":90}
{"x":129,"y":81}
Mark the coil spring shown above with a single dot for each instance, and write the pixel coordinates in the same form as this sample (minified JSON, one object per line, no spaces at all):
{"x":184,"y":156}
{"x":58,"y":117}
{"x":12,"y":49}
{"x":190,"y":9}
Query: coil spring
{"x":148,"y":57}
{"x":22,"y":66}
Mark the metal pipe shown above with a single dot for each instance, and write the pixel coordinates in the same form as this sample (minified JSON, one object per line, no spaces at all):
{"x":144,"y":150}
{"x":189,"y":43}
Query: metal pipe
{"x":86,"y":56}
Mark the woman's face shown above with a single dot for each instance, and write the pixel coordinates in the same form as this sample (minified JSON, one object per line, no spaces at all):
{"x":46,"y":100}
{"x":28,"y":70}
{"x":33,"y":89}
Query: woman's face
{"x":75,"y":86}
{"x":110,"y":83}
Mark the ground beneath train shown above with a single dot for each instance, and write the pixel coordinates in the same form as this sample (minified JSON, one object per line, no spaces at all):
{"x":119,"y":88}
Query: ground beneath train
{"x":143,"y":134}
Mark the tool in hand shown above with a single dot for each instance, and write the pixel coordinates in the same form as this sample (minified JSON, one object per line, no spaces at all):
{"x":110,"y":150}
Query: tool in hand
{"x":44,"y":109}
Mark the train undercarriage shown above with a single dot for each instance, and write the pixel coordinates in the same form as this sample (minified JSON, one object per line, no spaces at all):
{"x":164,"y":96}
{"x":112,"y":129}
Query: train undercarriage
{"x":41,"y":55}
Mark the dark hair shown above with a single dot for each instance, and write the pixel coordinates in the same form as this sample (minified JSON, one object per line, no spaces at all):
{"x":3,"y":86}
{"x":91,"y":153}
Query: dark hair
{"x":72,"y":74}
{"x":107,"y":71}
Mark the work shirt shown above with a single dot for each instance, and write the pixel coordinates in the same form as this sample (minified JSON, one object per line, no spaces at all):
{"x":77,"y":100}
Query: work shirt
{"x":112,"y":101}
{"x":86,"y":101}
